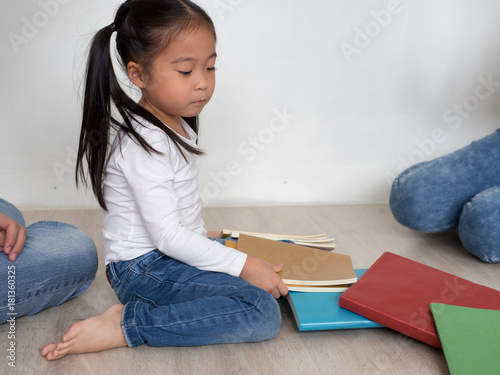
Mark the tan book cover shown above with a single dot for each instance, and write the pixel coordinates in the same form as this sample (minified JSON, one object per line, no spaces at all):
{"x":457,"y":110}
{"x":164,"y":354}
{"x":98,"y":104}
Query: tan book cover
{"x":302,"y":266}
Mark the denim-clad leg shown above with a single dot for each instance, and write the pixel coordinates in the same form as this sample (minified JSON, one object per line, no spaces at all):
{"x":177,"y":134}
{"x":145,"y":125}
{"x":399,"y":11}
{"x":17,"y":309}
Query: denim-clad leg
{"x":168,"y":303}
{"x":429,"y":196}
{"x":58,"y":262}
{"x":8,"y":209}
{"x":479,"y":226}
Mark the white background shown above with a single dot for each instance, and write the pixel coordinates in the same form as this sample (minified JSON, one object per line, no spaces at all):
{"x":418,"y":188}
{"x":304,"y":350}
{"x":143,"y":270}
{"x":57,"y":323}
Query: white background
{"x":317,"y":101}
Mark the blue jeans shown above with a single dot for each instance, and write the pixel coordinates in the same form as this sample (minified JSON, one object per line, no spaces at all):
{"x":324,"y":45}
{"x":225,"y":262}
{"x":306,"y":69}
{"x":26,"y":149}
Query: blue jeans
{"x":57,"y":263}
{"x":459,"y":190}
{"x":169,"y":303}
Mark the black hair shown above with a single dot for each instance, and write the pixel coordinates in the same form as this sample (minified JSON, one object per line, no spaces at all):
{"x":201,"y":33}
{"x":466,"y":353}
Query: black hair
{"x":144,"y":29}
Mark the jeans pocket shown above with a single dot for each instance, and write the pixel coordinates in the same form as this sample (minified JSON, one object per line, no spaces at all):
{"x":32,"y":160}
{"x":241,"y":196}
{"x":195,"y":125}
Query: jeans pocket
{"x":125,"y":276}
{"x":111,"y":274}
{"x":147,"y":260}
{"x":141,"y":298}
{"x":118,"y":273}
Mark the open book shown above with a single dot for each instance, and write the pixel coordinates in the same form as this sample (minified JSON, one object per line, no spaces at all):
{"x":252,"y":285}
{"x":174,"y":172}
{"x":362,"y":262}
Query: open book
{"x":319,"y":241}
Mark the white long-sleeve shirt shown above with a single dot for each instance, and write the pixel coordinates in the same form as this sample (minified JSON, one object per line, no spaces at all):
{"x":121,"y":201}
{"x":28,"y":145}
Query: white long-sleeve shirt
{"x":153,"y":203}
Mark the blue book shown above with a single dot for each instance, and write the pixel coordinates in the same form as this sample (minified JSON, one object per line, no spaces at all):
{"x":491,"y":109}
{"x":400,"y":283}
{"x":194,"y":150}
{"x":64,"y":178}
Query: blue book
{"x":314,"y":311}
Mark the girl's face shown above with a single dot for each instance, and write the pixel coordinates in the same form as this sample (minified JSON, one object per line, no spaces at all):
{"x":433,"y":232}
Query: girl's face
{"x":182,"y":78}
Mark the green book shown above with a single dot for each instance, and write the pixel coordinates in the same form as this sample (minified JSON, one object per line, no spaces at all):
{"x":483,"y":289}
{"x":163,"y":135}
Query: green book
{"x":470,"y":338}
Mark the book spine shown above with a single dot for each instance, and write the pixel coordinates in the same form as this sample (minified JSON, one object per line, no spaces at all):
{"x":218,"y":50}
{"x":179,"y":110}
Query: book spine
{"x":429,"y":337}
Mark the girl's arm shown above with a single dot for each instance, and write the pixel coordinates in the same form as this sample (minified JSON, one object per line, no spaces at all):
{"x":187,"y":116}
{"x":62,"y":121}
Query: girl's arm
{"x":151,"y":180}
{"x":164,"y":191}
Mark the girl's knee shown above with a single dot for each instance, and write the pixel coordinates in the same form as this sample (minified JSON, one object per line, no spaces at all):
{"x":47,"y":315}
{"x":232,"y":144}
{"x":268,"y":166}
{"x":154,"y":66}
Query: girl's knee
{"x":271,"y":322}
{"x":479,"y":227}
{"x":266,"y":319}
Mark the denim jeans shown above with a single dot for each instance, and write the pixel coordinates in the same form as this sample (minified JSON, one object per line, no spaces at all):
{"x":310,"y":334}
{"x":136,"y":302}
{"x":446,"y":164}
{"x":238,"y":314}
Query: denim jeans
{"x":169,"y":303}
{"x":459,"y":190}
{"x":58,"y":262}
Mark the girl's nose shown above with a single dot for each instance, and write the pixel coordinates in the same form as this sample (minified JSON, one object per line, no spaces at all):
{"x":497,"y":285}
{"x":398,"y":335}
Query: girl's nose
{"x":202,"y":82}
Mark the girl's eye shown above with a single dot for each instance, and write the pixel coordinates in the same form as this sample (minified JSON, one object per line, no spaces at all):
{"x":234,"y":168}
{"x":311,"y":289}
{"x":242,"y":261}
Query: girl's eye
{"x":185,"y":73}
{"x":212,"y":69}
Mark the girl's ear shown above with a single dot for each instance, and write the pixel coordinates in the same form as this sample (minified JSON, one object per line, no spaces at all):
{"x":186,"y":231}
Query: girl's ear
{"x":135,"y":75}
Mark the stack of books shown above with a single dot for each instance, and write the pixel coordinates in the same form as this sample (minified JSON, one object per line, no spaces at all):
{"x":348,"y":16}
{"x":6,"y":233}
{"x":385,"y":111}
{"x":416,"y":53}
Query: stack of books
{"x":304,"y":268}
{"x":432,"y":306}
{"x":315,"y":280}
{"x":321,"y":311}
{"x":435,"y":307}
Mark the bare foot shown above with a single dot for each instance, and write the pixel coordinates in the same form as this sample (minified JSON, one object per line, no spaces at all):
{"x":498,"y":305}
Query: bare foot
{"x":90,"y":335}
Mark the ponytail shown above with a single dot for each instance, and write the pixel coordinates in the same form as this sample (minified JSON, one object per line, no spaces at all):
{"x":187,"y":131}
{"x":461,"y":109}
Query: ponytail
{"x":137,"y":40}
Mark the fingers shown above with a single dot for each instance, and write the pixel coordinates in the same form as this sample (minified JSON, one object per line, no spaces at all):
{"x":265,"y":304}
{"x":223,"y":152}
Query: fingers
{"x":279,"y":289}
{"x":264,"y":275}
{"x":213,"y":234}
{"x":15,"y":237}
{"x":277,"y":267}
{"x":282,"y":289}
{"x":2,"y":239}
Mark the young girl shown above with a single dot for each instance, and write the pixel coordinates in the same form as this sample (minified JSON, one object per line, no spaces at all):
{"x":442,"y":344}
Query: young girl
{"x":177,"y":286}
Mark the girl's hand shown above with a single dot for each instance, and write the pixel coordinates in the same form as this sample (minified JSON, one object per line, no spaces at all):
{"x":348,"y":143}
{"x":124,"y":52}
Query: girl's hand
{"x":12,"y":237}
{"x":264,"y":275}
{"x":213,"y":233}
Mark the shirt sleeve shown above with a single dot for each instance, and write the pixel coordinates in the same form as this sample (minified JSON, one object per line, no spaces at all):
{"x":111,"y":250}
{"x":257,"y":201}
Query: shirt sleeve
{"x":151,"y":179}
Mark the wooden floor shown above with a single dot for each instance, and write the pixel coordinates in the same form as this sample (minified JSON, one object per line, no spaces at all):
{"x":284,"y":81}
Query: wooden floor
{"x":362,"y":231}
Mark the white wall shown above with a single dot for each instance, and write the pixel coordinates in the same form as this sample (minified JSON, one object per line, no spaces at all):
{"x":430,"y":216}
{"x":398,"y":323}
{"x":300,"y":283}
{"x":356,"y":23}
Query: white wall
{"x":317,"y":101}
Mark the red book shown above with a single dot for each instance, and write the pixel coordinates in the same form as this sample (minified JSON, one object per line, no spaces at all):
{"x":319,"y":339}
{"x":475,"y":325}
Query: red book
{"x":396,"y":292}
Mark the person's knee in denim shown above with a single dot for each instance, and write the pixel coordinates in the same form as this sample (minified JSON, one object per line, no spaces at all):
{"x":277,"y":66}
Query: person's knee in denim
{"x":479,"y":226}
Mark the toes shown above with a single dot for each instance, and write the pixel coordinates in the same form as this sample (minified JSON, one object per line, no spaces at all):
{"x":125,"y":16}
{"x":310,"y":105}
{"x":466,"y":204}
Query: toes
{"x":62,"y":346}
{"x":72,"y":332}
{"x":55,"y":351}
{"x":53,"y":355}
{"x":47,"y":349}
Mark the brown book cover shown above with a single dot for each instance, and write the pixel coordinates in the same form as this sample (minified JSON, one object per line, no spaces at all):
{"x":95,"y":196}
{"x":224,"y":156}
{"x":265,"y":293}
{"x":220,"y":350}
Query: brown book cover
{"x":301,"y":265}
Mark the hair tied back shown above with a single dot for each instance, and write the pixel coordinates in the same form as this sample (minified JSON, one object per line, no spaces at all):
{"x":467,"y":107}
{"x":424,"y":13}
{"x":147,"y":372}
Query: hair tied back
{"x":122,"y":13}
